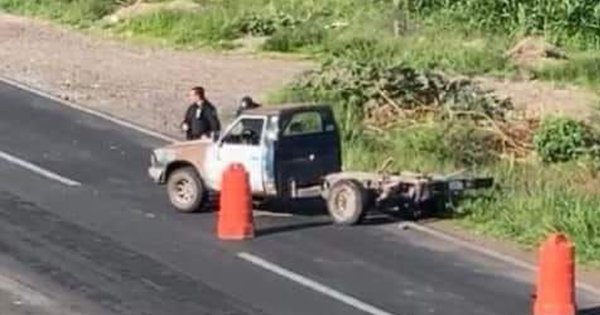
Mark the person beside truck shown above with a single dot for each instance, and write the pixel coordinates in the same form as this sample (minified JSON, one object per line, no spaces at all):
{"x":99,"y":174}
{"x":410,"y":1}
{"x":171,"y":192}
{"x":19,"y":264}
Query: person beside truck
{"x":245,"y":104}
{"x":201,"y":118}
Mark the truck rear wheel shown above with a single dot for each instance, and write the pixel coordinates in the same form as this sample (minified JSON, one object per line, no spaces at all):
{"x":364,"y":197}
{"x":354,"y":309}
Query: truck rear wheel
{"x":186,"y":190}
{"x":347,"y":202}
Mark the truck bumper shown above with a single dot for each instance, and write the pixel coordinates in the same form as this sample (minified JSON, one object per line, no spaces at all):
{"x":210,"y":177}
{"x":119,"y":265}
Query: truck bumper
{"x":157,"y":174}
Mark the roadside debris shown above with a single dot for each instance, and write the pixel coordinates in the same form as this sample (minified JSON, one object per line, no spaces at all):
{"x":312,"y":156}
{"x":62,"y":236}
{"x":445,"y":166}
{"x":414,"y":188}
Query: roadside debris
{"x":398,"y":96}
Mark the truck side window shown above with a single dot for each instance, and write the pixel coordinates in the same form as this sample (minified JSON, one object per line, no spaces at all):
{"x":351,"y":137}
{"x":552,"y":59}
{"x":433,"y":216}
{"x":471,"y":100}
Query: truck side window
{"x":304,"y":123}
{"x":247,"y":131}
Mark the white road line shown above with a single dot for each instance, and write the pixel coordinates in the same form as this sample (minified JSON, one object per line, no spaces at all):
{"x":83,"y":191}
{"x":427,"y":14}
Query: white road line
{"x":115,"y":120}
{"x":590,"y":289}
{"x":90,"y":111}
{"x":262,"y":213}
{"x":312,"y":284}
{"x":587,"y":287}
{"x":466,"y":244}
{"x":36,"y":169}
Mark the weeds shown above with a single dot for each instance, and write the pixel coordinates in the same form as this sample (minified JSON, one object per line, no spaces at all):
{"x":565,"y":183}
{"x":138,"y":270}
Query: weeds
{"x":583,"y":69}
{"x":182,"y":28}
{"x":81,"y":13}
{"x":531,"y":199}
{"x":564,"y":22}
{"x":466,"y":37}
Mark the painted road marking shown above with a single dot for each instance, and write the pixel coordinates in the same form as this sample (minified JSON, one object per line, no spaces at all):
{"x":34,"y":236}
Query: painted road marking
{"x":488,"y":252}
{"x":519,"y":263}
{"x":344,"y":298}
{"x":262,"y":213}
{"x":38,"y":170}
{"x":24,"y":294}
{"x":86,"y":110}
{"x":115,"y":120}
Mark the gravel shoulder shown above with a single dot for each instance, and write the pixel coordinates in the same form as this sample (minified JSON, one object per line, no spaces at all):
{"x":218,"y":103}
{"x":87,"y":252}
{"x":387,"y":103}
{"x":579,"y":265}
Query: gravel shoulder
{"x":146,"y":85}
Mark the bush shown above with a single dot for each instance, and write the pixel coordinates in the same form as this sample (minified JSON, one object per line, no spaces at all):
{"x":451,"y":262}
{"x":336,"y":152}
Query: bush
{"x":295,"y":39}
{"x":265,"y":24}
{"x":562,"y":139}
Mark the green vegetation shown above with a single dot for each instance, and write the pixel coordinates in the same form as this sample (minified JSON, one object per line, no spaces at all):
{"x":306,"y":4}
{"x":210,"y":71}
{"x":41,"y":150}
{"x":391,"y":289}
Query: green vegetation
{"x":395,"y":115}
{"x":583,"y":69}
{"x":380,"y":69}
{"x":562,"y":139}
{"x":463,"y":36}
{"x":79,"y":12}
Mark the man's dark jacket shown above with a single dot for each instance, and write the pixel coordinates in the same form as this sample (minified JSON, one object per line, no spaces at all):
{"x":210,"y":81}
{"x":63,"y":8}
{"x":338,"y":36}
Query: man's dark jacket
{"x":202,"y":120}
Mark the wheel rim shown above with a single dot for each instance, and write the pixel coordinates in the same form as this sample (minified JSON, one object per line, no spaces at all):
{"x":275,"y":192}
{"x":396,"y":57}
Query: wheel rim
{"x":184,"y":191}
{"x":342,"y":202}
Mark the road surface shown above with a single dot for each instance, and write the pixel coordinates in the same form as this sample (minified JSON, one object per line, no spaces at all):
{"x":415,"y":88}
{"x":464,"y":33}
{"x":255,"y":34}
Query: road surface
{"x":78,"y":211}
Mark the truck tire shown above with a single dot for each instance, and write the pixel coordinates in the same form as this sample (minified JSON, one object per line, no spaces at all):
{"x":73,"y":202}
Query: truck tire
{"x":347,"y":202}
{"x":186,"y":190}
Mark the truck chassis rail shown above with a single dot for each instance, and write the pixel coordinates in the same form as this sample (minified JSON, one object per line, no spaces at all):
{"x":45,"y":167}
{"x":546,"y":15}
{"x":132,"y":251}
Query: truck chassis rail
{"x":350,"y":195}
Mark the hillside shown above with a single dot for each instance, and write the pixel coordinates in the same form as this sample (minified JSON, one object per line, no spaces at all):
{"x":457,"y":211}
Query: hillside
{"x":407,"y":80}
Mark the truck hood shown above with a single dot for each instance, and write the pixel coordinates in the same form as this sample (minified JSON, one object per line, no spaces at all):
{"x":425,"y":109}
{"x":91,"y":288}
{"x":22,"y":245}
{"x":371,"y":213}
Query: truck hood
{"x":185,"y":145}
{"x":192,"y":152}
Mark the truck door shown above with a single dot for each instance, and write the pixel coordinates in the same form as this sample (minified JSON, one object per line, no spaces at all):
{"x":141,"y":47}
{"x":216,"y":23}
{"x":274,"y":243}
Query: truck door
{"x":243,"y":143}
{"x":308,"y":148}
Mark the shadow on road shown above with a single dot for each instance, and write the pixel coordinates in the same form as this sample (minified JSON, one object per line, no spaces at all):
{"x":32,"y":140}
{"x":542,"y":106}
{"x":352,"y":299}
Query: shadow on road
{"x":590,"y":311}
{"x":316,"y":208}
{"x":302,"y":207}
{"x":289,"y":228}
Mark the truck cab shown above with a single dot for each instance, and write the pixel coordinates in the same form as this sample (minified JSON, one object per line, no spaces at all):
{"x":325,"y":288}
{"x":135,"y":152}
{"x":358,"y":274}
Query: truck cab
{"x":284,"y":149}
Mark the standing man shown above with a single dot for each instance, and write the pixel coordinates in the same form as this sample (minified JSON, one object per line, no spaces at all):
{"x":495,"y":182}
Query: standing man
{"x":201,"y":119}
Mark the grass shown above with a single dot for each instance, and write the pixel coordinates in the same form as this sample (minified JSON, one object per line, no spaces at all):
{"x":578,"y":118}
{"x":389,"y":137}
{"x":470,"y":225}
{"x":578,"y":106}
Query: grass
{"x":181,"y":28}
{"x":531,"y":199}
{"x":582,"y":69}
{"x":464,"y":37}
{"x":80,"y":13}
{"x":535,"y":200}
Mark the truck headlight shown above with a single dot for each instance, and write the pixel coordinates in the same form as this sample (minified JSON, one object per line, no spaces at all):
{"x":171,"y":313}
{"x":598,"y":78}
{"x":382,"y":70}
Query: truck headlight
{"x":163,"y":156}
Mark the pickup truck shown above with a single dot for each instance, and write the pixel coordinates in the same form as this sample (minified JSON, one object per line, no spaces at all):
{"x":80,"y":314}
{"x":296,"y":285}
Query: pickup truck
{"x":293,"y":151}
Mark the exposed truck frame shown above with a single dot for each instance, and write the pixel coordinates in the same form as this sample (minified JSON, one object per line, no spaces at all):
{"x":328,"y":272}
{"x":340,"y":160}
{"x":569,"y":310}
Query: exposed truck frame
{"x":350,"y":195}
{"x":291,"y":150}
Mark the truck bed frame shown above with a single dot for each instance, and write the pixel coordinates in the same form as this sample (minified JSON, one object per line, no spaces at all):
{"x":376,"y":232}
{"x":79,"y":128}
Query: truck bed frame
{"x":349,"y":195}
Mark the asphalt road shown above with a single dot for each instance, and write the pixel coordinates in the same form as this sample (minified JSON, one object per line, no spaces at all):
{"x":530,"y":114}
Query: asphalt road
{"x":104,"y":233}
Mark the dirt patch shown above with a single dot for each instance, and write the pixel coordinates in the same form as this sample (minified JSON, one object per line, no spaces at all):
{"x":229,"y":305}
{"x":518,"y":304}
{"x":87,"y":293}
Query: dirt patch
{"x":543,"y":98}
{"x":537,"y":97}
{"x":142,"y":84}
{"x":534,"y":52}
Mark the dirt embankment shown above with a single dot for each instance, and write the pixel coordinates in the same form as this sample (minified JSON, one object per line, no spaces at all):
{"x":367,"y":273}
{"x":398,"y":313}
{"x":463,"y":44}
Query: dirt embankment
{"x":142,"y":84}
{"x":148,"y":85}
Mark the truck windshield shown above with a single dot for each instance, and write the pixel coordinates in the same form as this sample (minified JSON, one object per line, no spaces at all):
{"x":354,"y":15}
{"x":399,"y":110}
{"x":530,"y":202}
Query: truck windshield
{"x":247,"y":131}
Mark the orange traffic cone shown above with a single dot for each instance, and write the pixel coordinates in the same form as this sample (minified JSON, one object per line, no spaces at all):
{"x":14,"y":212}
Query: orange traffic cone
{"x":235,"y":219}
{"x":555,"y":289}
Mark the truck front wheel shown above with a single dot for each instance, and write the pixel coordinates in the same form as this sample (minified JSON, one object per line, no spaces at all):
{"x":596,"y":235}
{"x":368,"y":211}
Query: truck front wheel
{"x":347,"y":202}
{"x":185,"y":189}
